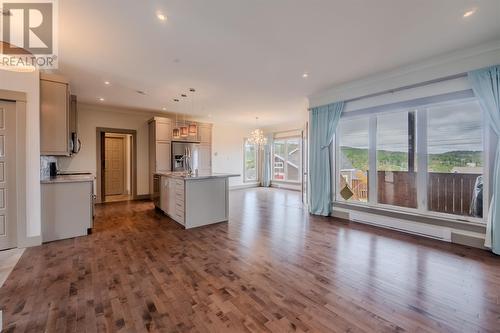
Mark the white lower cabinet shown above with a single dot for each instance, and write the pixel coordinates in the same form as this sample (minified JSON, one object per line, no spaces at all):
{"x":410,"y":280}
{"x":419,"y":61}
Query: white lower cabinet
{"x":172,"y":201}
{"x":195,"y":202}
{"x":67,"y":210}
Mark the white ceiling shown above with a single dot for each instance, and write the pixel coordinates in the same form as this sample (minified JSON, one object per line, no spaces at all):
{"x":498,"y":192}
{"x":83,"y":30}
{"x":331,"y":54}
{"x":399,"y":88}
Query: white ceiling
{"x":246,"y":58}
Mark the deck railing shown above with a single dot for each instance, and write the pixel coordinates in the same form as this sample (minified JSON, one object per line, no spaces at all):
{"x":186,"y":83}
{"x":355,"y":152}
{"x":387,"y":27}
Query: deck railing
{"x":450,"y":193}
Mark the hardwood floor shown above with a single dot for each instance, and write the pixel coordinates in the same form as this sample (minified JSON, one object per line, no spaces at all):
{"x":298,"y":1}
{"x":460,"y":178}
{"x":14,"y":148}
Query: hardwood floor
{"x":272,"y":268}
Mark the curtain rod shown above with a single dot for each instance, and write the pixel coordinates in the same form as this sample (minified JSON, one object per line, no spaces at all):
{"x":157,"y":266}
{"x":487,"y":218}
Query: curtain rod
{"x":411,"y":86}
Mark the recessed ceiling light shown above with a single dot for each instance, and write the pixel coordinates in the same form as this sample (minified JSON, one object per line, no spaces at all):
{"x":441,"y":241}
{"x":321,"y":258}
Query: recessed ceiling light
{"x":470,"y":12}
{"x":161,"y":16}
{"x":164,"y":108}
{"x":107,"y":83}
{"x":305,"y":75}
{"x":101,"y":99}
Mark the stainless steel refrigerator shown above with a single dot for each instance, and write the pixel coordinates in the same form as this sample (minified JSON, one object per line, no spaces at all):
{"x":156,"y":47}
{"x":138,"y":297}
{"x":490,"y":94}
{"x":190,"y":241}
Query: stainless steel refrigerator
{"x":184,"y":155}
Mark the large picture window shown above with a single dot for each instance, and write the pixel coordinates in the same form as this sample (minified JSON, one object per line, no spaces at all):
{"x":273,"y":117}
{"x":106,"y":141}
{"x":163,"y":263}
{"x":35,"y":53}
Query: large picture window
{"x":287,"y":159}
{"x":250,"y":162}
{"x":428,"y":158}
{"x":353,"y":159}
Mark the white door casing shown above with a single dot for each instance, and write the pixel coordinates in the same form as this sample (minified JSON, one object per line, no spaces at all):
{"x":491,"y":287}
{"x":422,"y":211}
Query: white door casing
{"x":8,"y":195}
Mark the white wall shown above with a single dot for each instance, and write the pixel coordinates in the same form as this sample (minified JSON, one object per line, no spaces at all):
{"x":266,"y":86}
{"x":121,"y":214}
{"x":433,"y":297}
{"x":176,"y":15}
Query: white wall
{"x":227,"y":150}
{"x":227,"y":145}
{"x":92,"y":116}
{"x":438,"y":67}
{"x":29,"y":84}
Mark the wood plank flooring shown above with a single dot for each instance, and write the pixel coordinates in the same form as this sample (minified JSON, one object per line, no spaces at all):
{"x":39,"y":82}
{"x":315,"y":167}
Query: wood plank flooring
{"x":272,"y":268}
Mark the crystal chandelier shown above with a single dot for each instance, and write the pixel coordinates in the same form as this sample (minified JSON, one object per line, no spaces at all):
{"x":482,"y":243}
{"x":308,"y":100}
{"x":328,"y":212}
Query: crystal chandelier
{"x":257,"y":136}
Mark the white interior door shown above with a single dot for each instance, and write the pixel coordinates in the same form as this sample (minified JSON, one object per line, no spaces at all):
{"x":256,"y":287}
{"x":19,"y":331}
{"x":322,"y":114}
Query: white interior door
{"x":114,"y":166}
{"x":8,"y":203}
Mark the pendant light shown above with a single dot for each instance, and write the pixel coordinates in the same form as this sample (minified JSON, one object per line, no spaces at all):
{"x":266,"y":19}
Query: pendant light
{"x":176,"y":133}
{"x":184,"y":129}
{"x":257,"y":136}
{"x":193,"y":128}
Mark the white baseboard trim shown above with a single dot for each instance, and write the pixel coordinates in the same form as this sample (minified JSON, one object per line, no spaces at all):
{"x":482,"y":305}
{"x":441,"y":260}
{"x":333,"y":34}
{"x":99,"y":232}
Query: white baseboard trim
{"x":243,"y":186}
{"x":29,"y":241}
{"x":421,"y":229}
{"x":446,"y":234}
{"x":287,"y":186}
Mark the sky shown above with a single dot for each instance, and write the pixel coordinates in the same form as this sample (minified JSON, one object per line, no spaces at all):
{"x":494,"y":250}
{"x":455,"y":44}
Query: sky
{"x":451,"y":127}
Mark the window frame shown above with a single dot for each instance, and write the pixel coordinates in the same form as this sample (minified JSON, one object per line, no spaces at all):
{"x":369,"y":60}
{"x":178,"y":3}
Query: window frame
{"x":286,"y":180}
{"x":245,"y":172}
{"x":422,"y":164}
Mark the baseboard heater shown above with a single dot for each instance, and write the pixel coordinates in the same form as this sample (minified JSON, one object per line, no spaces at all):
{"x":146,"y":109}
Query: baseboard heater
{"x":421,"y":229}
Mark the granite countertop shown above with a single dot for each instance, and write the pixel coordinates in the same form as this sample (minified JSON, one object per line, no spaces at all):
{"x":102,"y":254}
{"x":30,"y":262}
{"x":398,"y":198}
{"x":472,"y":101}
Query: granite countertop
{"x":183,"y":176}
{"x":68,"y":179}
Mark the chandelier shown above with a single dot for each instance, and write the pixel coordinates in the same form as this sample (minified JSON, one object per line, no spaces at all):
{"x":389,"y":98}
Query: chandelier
{"x":257,"y":136}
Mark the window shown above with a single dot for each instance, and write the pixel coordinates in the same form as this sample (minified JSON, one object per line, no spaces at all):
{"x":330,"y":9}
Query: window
{"x":428,"y":159}
{"x":396,"y":176}
{"x":250,"y":162}
{"x":455,"y":154}
{"x":353,"y":159}
{"x":287,"y":159}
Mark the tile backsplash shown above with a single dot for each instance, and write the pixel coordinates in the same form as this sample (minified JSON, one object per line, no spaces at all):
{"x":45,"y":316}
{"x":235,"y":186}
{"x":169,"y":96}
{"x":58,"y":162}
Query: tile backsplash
{"x":45,"y":165}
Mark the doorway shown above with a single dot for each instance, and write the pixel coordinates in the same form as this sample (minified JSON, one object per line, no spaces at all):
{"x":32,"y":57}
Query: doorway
{"x":117,"y":167}
{"x":116,"y":160}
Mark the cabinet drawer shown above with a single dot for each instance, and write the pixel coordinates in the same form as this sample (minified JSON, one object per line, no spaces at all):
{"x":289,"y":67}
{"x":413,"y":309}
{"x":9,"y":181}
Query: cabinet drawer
{"x":179,"y":183}
{"x":179,"y":217}
{"x":179,"y":205}
{"x":179,"y":194}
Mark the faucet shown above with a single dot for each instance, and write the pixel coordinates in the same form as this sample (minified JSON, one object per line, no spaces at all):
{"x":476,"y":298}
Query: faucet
{"x":188,"y":168}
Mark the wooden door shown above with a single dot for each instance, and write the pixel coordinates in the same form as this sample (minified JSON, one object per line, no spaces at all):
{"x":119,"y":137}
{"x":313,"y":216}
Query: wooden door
{"x":8,"y":203}
{"x":114,"y":165}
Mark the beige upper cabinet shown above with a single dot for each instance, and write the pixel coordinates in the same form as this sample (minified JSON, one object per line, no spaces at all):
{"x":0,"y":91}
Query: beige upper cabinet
{"x":54,"y":116}
{"x":160,"y":136}
{"x":163,"y":129}
{"x":205,"y":133}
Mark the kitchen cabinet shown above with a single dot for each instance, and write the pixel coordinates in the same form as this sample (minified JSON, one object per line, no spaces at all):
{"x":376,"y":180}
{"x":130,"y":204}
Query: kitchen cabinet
{"x":55,"y":101}
{"x":172,"y":198}
{"x":160,"y":136}
{"x":195,"y":201}
{"x":204,"y":158}
{"x":67,"y":208}
{"x":205,"y":133}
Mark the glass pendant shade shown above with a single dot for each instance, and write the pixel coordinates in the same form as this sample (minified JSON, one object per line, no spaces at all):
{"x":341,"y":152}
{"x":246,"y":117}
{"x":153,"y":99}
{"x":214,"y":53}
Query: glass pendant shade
{"x":184,"y":131}
{"x":257,"y":137}
{"x":193,"y":129}
{"x":176,"y":133}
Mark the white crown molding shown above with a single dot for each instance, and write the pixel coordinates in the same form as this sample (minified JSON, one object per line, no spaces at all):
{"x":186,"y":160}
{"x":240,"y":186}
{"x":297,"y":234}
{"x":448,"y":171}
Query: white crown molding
{"x":440,"y":66}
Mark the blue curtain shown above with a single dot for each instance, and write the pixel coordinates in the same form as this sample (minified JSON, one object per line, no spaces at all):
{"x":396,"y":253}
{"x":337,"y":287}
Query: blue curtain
{"x":266,"y":163}
{"x":324,"y":121}
{"x":486,"y":85}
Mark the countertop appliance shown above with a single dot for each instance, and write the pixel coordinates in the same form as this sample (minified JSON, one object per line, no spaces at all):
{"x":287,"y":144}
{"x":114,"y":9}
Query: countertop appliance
{"x":184,"y":156}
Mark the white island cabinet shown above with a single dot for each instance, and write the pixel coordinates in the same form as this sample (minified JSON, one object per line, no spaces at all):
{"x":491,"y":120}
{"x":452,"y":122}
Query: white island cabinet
{"x":195,"y":201}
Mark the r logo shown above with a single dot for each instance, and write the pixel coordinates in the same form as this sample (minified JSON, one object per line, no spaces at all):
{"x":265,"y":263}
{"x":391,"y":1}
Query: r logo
{"x":28,"y":26}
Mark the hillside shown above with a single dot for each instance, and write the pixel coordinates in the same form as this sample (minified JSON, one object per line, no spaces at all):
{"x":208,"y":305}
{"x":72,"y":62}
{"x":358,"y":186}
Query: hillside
{"x":398,"y":161}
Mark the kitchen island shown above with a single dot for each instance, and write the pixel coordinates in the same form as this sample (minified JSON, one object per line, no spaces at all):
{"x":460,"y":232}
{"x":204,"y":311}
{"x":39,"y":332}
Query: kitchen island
{"x":193,"y":201}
